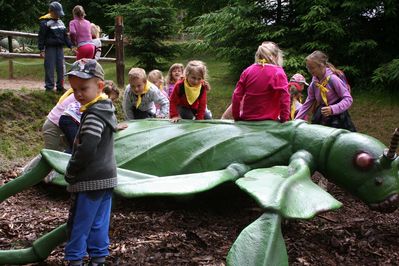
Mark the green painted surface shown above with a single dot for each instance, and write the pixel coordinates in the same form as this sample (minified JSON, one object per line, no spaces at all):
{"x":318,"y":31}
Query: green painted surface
{"x":272,"y":162}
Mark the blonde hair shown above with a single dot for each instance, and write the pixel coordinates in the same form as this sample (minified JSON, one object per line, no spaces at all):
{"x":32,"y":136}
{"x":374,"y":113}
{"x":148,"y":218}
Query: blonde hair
{"x":110,"y":87}
{"x":169,"y":77}
{"x":78,"y":12}
{"x":270,"y":52}
{"x":95,"y":31}
{"x":321,"y":59}
{"x":137,"y":73}
{"x":155,"y":75}
{"x":196,"y":66}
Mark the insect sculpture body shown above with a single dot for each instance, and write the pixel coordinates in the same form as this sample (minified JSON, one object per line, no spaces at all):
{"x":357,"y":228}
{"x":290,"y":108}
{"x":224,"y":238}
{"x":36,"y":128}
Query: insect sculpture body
{"x":270,"y":161}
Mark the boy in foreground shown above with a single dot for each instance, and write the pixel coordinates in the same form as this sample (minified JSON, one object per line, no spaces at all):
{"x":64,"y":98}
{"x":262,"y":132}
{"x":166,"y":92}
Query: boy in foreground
{"x":91,"y":171}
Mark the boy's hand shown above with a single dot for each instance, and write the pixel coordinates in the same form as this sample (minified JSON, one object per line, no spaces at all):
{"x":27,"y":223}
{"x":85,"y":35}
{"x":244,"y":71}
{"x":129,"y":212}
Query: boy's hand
{"x":42,"y":54}
{"x":175,"y":119}
{"x":121,"y":126}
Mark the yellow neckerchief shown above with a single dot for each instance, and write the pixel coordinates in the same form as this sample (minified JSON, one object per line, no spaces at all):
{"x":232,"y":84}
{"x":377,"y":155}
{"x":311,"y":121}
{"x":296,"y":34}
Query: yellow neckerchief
{"x":293,"y":110}
{"x":100,"y":97}
{"x":65,"y":95}
{"x":146,"y":89}
{"x":262,"y":62}
{"x":192,"y":93}
{"x":47,"y":16}
{"x":323,"y":89}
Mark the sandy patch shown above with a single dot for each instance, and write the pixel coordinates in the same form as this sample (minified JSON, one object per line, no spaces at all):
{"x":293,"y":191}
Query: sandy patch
{"x":16,"y":84}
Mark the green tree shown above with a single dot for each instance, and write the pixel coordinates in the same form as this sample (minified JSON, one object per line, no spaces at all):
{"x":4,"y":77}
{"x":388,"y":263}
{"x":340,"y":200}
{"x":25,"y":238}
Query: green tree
{"x":148,"y":24}
{"x":17,"y":15}
{"x":358,"y":36}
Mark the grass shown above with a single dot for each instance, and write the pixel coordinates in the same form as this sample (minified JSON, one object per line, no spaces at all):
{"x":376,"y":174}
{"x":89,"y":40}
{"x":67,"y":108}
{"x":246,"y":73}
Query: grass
{"x":23,"y":112}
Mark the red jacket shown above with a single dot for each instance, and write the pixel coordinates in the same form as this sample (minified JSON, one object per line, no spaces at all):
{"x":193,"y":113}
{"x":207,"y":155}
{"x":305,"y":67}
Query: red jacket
{"x":178,"y":98}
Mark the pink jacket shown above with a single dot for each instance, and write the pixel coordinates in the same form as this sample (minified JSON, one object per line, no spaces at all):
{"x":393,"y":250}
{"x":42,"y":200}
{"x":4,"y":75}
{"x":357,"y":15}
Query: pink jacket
{"x":80,"y":31}
{"x":266,"y":94}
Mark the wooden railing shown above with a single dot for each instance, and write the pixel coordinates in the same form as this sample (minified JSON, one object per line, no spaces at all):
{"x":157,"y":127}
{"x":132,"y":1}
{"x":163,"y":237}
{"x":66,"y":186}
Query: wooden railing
{"x":118,"y":41}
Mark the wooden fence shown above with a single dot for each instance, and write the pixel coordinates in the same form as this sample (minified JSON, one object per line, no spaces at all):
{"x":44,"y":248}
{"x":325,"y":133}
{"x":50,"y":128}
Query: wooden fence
{"x":118,"y":41}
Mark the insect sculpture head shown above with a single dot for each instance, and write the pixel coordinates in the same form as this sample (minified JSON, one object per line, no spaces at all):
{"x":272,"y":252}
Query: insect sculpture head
{"x":362,"y":165}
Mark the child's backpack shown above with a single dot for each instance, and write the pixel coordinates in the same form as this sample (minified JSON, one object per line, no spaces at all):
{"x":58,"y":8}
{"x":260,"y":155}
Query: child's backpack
{"x":342,"y":76}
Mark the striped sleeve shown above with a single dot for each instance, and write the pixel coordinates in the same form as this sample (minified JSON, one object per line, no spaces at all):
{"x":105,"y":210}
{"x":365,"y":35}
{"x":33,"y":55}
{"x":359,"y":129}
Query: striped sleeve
{"x":92,"y":125}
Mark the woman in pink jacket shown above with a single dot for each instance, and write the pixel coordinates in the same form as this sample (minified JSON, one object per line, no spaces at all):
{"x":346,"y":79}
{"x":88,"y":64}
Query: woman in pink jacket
{"x":80,"y":34}
{"x":262,"y":91}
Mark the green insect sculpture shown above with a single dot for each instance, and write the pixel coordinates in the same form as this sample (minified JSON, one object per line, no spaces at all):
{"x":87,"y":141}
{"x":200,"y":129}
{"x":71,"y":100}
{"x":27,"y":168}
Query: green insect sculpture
{"x":270,"y":161}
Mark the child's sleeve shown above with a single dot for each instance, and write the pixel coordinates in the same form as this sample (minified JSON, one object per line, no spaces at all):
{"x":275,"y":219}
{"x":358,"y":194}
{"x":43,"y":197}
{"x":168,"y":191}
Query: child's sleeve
{"x":127,"y":104}
{"x":163,"y":102}
{"x":174,"y":100}
{"x":202,"y":105}
{"x":88,"y":139}
{"x":281,"y":84}
{"x":238,"y":94}
{"x":308,"y":103}
{"x":42,"y":35}
{"x":342,"y":91}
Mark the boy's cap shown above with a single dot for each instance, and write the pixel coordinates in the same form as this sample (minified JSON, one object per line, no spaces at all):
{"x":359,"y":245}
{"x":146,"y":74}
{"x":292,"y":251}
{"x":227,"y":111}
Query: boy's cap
{"x":299,"y":78}
{"x":86,"y":69}
{"x":57,"y":8}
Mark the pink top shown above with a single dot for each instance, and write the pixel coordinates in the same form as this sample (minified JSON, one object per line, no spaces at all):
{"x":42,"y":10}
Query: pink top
{"x":266,"y":94}
{"x":58,"y":110}
{"x":80,"y":31}
{"x":338,"y":95}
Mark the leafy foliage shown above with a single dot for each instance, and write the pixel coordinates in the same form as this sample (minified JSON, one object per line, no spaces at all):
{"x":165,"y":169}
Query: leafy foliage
{"x":357,"y":36}
{"x":148,"y":24}
{"x":11,"y":13}
{"x":386,"y":77}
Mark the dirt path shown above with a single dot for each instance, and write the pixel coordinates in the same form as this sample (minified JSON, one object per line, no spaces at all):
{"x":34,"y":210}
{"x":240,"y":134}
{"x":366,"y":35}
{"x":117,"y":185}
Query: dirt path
{"x":16,"y":84}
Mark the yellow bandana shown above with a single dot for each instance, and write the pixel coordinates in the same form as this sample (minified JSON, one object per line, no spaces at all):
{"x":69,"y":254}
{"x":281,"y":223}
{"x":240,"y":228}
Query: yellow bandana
{"x":323,"y":89}
{"x":146,"y":89}
{"x":102,"y":96}
{"x":65,"y":95}
{"x":293,"y":110}
{"x":192,"y":93}
{"x":262,"y":62}
{"x":47,"y":16}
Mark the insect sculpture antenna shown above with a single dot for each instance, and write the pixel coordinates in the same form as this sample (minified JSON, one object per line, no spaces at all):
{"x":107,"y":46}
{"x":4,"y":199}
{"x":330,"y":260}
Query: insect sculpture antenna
{"x":391,"y":152}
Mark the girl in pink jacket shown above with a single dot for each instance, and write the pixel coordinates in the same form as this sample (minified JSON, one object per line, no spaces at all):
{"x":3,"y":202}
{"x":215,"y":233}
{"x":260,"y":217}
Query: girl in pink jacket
{"x":262,"y":91}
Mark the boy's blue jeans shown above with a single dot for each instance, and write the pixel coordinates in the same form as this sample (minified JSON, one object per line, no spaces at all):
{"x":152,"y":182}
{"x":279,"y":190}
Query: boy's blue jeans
{"x":88,"y":225}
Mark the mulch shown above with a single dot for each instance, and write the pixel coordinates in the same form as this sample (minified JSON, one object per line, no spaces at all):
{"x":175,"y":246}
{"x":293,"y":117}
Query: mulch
{"x":200,"y":230}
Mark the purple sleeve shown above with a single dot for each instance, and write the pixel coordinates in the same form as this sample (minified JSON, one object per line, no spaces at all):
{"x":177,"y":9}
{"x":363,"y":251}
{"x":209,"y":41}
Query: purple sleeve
{"x":343,"y":93}
{"x":308,"y":103}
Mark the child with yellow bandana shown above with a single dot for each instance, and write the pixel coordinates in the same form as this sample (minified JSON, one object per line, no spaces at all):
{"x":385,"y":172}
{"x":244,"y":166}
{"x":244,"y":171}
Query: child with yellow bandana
{"x":329,"y":92}
{"x":188,"y":99}
{"x":141,"y":96}
{"x":91,"y":171}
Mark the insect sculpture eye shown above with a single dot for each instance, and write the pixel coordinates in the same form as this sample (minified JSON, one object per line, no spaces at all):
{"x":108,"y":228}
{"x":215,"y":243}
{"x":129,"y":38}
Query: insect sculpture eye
{"x":364,"y":161}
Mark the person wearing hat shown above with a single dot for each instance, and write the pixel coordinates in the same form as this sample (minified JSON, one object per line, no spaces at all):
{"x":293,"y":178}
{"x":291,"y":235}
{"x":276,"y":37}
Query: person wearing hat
{"x":52,"y":39}
{"x":91,"y":171}
{"x":296,"y":86}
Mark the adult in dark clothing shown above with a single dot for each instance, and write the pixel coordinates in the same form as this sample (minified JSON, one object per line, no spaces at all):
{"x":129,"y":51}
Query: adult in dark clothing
{"x":52,"y":38}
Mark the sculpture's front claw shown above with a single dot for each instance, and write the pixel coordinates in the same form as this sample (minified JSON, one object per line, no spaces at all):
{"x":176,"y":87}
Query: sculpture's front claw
{"x":288,"y":191}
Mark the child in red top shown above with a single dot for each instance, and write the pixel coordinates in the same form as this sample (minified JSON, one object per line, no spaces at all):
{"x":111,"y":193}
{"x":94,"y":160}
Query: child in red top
{"x":263,"y":88}
{"x":188,"y":99}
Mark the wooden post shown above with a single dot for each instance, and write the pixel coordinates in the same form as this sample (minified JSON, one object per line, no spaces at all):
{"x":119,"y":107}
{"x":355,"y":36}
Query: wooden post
{"x":10,"y":62}
{"x":120,"y":52}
